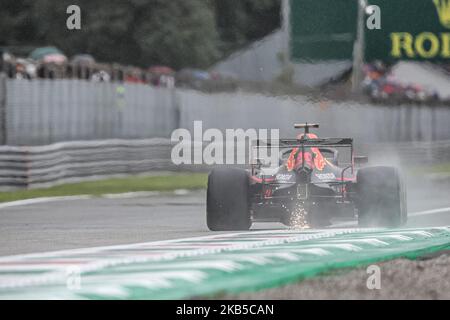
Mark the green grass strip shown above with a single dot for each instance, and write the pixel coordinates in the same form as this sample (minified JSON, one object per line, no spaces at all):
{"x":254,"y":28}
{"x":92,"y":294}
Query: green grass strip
{"x":118,"y":185}
{"x":437,"y":168}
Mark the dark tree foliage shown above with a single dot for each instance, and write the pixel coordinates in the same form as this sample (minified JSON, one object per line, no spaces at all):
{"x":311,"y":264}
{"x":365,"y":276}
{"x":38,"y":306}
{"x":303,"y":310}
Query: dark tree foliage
{"x":178,"y":33}
{"x":242,"y":21}
{"x":16,"y":26}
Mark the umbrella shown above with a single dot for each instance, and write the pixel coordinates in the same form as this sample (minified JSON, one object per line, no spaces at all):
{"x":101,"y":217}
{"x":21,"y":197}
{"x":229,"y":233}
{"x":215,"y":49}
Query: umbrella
{"x":40,"y":53}
{"x":55,"y":58}
{"x":161,"y":70}
{"x":83,"y":59}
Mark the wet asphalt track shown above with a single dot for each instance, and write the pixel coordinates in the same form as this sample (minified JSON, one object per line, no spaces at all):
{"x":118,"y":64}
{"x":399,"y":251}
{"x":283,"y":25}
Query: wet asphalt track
{"x":100,"y":222}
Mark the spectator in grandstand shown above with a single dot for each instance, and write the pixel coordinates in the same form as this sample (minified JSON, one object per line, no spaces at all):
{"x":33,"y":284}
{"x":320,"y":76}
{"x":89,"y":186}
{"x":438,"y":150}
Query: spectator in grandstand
{"x":101,"y":76}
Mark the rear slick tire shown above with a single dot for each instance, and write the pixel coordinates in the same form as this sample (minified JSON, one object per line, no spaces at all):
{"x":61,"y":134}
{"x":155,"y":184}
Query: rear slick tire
{"x":227,"y":203}
{"x":381,"y":198}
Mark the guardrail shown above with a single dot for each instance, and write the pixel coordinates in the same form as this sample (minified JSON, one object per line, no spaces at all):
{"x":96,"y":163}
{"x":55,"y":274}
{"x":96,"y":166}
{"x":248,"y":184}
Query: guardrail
{"x":50,"y":165}
{"x":42,"y":166}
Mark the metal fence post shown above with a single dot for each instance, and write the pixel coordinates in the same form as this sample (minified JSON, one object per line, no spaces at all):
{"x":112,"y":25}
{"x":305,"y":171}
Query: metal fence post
{"x":359,"y":48}
{"x":3,"y":132}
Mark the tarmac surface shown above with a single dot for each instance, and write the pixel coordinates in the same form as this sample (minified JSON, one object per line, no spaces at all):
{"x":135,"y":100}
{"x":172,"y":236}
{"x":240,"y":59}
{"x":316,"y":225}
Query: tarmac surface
{"x":83,"y":223}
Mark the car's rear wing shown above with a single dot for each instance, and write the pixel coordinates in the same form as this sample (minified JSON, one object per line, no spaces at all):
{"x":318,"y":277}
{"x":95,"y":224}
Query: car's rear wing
{"x":298,"y":143}
{"x":302,"y":143}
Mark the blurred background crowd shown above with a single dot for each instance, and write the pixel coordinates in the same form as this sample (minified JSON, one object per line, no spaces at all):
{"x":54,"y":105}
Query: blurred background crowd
{"x":51,"y":63}
{"x":200,"y":44}
{"x":150,"y":41}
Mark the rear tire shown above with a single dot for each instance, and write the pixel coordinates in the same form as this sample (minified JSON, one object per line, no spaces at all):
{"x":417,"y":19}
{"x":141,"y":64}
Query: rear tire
{"x":381,"y":198}
{"x":228,"y":200}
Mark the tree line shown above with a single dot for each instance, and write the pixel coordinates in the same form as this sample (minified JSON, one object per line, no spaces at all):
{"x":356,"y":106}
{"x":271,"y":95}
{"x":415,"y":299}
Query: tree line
{"x":177,"y":33}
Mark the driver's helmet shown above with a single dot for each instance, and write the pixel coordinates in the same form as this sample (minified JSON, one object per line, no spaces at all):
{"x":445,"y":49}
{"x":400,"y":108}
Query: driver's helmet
{"x":313,"y":158}
{"x":308,"y":135}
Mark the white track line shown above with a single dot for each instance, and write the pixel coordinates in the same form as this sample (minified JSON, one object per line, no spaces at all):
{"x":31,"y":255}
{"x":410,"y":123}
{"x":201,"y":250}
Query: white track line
{"x":126,"y":195}
{"x":348,"y":224}
{"x":42,"y":200}
{"x":428,"y":212}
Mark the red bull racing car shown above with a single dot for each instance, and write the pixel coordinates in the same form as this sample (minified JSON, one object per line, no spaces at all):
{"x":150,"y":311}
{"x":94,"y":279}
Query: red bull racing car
{"x":308,"y":187}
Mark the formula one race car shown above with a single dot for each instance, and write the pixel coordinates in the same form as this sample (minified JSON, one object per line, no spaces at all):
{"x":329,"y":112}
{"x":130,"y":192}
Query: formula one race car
{"x":308,"y":187}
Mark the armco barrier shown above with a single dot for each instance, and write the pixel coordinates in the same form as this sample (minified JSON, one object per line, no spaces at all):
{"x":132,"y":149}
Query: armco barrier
{"x":42,"y":166}
{"x":27,"y":167}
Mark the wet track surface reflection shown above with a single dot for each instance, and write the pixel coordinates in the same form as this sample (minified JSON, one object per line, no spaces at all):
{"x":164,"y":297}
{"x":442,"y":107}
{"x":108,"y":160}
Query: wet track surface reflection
{"x":101,"y":222}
